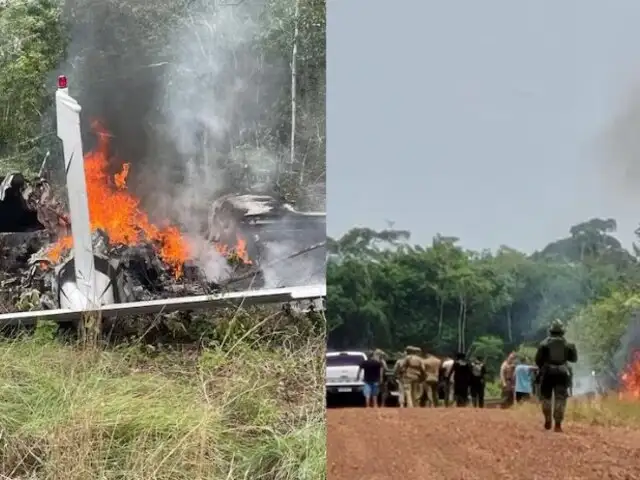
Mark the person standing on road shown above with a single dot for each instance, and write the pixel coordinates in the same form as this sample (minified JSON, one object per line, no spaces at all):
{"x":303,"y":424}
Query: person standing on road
{"x":478,"y":381}
{"x":432,"y":370}
{"x":445,"y":380}
{"x":397,"y":373}
{"x":552,"y":358}
{"x":461,"y":372}
{"x":412,"y":375}
{"x":506,"y":380}
{"x":523,"y":380}
{"x":372,"y":372}
{"x":384,"y":384}
{"x":381,"y":356}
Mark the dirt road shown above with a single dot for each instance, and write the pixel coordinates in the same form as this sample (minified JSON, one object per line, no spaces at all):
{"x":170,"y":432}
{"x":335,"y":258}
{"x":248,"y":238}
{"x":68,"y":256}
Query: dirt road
{"x":468,"y":444}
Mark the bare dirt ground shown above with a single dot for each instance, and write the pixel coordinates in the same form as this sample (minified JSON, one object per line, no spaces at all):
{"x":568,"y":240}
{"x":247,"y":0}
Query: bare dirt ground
{"x":468,"y":444}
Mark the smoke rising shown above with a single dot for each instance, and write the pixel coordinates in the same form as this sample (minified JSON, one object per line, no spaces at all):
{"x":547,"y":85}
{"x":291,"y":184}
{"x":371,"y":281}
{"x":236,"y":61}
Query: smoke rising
{"x":113,"y":72}
{"x":600,"y":365}
{"x":188,"y":93}
{"x":212,"y":105}
{"x":308,"y":266}
{"x":179,"y":88}
{"x":629,"y":345}
{"x":619,"y":148}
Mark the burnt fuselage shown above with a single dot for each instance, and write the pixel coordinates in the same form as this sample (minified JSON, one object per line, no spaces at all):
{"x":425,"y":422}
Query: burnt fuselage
{"x":261,"y":220}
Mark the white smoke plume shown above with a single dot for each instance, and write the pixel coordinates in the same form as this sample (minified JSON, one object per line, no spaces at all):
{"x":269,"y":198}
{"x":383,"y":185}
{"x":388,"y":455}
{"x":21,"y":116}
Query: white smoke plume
{"x":208,"y":105}
{"x":601,"y":367}
{"x":280,"y":269}
{"x":619,"y":147}
{"x":188,"y":94}
{"x":215,"y":89}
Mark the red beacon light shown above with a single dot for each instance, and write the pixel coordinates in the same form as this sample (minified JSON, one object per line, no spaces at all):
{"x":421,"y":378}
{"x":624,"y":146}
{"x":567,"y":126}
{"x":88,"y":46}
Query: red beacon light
{"x":62,"y":81}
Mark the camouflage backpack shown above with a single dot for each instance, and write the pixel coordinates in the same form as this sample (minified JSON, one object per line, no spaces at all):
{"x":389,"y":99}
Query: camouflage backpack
{"x":557,"y":351}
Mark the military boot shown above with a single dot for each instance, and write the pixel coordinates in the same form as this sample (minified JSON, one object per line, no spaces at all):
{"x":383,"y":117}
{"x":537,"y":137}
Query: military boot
{"x":547,"y":424}
{"x":558,"y":427}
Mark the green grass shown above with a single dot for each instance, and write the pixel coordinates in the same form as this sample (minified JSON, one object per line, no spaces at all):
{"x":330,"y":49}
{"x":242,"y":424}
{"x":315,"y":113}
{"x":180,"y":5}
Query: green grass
{"x":493,"y":390}
{"x":234,"y":411}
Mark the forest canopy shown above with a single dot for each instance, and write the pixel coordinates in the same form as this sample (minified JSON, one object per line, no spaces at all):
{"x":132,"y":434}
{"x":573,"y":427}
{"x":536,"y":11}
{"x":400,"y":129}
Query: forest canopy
{"x":387,"y":293}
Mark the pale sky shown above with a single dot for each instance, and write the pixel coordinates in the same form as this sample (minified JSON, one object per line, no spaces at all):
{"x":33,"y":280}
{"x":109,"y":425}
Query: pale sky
{"x":478,"y":119}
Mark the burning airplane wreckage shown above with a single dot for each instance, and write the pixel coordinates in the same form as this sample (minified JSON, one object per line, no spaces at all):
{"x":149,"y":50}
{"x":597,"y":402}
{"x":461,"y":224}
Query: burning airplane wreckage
{"x":103,"y":253}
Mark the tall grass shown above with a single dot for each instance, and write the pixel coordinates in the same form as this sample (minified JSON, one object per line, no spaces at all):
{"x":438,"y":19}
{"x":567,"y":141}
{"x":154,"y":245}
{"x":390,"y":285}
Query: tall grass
{"x":610,"y":411}
{"x":235,"y":410}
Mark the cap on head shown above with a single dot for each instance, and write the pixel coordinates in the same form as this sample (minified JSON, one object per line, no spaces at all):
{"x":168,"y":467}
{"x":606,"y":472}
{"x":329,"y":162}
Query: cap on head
{"x":411,"y":350}
{"x":556,"y":327}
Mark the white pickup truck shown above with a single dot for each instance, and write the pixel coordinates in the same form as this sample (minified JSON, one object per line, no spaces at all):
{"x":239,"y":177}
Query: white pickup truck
{"x":342,"y":372}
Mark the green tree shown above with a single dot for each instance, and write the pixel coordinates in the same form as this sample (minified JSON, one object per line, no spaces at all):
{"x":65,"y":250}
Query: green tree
{"x":383,"y":291}
{"x":491,"y":348}
{"x":32,"y":43}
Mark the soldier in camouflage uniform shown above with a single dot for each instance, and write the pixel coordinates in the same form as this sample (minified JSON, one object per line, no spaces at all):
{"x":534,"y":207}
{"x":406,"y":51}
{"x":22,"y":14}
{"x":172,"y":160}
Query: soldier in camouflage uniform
{"x":552,"y":358}
{"x":507,"y":381}
{"x":412,"y":375}
{"x":432,"y":366}
{"x":384,"y":386}
{"x":397,"y":373}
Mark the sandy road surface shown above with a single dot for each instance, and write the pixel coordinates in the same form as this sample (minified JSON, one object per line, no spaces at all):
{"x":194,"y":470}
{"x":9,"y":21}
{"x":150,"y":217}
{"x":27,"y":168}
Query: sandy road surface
{"x":457,"y":444}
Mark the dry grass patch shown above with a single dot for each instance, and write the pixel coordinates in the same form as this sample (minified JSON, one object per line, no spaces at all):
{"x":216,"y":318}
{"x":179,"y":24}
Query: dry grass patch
{"x":609,"y":412}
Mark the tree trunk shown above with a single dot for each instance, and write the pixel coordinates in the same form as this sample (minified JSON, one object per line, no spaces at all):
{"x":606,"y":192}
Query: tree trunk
{"x":294,"y":86}
{"x":460,"y":314}
{"x":441,"y":317}
{"x":509,"y":325}
{"x":464,"y":325}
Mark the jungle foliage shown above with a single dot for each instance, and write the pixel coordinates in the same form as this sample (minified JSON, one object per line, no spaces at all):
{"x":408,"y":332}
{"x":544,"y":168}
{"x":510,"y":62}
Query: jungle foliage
{"x":385,"y":292}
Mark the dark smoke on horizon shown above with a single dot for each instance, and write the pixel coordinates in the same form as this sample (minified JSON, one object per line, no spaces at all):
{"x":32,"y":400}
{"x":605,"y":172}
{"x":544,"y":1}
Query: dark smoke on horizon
{"x":136,"y":70}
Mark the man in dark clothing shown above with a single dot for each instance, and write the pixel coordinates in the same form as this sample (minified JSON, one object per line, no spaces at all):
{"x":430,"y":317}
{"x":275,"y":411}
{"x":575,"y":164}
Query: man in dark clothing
{"x":478,"y":381}
{"x":461,"y":372}
{"x":552,"y":358}
{"x":372,"y":370}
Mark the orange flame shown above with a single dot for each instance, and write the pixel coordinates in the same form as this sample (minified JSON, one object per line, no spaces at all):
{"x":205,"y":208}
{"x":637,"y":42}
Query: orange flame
{"x":630,"y":379}
{"x":120,"y":179}
{"x":117,"y":212}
